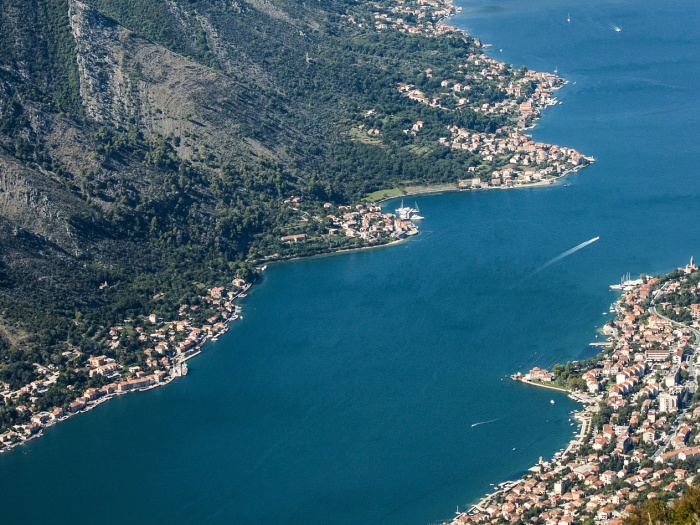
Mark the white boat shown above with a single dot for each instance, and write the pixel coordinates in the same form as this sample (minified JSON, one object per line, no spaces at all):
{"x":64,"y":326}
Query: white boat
{"x":404,"y":212}
{"x":617,"y":29}
{"x":551,"y":401}
{"x":568,"y":18}
{"x":414,"y":214}
{"x":623,"y":280}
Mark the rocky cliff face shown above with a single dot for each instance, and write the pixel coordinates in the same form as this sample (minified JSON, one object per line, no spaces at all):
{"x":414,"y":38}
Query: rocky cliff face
{"x":128,"y":81}
{"x":34,"y":204}
{"x":105,"y":85}
{"x":142,"y":112}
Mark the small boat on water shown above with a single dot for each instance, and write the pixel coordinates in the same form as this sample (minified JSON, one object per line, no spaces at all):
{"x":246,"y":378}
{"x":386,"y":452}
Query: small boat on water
{"x":407,"y":213}
{"x":404,"y":212}
{"x":551,"y":401}
{"x":414,"y":214}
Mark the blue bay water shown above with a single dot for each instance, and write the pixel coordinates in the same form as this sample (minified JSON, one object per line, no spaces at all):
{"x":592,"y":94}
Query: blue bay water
{"x":349,"y":389}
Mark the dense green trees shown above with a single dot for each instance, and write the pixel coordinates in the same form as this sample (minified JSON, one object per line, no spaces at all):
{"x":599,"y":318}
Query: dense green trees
{"x":153,"y":221}
{"x":685,"y":511}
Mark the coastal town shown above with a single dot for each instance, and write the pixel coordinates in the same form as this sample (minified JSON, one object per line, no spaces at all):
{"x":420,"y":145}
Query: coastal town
{"x":167,"y":345}
{"x":639,"y":431}
{"x":480,"y":84}
{"x":524,"y":161}
{"x":369,"y":222}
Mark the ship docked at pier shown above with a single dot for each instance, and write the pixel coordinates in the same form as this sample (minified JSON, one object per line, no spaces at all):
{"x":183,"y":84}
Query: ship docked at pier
{"x":626,"y":282}
{"x":408,"y":214}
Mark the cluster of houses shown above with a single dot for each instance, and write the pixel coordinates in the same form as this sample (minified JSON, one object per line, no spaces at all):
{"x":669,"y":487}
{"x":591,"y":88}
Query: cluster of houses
{"x":170,"y":344}
{"x":516,"y":157}
{"x":647,"y":445}
{"x":48,"y":376}
{"x":523,"y":94}
{"x":524,"y":160}
{"x":416,"y":17}
{"x":370,"y":223}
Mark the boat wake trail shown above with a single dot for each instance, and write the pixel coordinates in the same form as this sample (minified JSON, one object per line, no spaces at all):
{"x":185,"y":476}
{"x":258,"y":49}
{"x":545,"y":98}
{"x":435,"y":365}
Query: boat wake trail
{"x":565,"y":254}
{"x":487,"y":422}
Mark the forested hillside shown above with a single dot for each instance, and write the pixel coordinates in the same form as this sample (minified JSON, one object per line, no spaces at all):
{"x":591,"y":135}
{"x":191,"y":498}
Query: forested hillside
{"x":154,"y":145}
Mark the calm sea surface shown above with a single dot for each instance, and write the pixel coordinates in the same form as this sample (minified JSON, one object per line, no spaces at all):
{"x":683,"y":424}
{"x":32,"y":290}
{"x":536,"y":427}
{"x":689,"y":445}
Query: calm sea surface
{"x":349,"y":391}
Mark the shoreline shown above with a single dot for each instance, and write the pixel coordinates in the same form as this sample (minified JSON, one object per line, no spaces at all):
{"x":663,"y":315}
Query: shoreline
{"x":438,"y":189}
{"x":182,"y":358}
{"x":176,"y":368}
{"x":333,"y":253}
{"x":179,"y":360}
{"x":577,"y":478}
{"x":583,"y":417}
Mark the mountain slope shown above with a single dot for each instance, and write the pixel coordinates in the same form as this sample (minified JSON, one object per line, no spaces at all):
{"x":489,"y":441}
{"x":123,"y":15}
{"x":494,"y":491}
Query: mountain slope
{"x":151,"y":149}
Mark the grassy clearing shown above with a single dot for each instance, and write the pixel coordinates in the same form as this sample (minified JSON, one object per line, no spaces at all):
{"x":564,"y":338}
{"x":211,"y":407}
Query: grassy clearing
{"x":359,"y":135}
{"x":385,"y":194}
{"x":419,"y":150}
